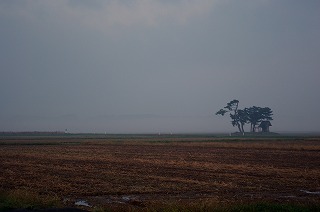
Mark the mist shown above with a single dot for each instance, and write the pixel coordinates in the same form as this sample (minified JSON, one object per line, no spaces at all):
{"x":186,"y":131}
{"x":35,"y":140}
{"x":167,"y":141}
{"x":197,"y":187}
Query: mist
{"x":157,"y":66}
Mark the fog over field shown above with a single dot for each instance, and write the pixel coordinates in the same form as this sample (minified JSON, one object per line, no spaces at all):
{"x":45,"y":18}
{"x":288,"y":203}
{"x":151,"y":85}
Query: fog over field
{"x":139,"y":66}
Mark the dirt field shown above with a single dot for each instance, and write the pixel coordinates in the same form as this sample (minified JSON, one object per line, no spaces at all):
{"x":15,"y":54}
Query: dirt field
{"x":145,"y":170}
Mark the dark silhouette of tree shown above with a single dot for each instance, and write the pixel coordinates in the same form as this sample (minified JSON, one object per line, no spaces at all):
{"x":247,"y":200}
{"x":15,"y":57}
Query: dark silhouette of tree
{"x":242,"y":118}
{"x":255,"y":115}
{"x":235,"y":115}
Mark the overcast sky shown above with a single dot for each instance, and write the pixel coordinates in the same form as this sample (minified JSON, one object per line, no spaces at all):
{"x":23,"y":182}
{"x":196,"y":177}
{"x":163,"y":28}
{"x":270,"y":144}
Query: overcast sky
{"x":136,"y":66}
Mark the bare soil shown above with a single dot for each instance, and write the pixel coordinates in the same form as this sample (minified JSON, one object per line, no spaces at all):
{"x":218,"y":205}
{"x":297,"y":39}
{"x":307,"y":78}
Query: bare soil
{"x":142,"y":171}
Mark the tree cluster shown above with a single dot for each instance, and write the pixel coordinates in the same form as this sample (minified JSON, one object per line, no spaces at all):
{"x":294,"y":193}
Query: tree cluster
{"x":252,"y":115}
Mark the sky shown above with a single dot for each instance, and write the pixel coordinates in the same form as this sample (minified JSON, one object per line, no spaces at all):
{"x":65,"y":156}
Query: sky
{"x":149,"y":66}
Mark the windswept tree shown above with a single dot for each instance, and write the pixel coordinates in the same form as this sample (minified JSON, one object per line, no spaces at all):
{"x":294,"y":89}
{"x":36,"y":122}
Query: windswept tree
{"x":235,"y":114}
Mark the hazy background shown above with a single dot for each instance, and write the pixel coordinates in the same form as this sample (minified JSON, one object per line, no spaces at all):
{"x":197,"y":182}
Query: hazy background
{"x":135,"y":66}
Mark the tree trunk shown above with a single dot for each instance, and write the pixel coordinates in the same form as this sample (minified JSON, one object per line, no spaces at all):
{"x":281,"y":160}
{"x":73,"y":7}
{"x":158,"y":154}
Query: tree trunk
{"x":236,"y":116}
{"x":242,"y":128}
{"x":238,"y":125}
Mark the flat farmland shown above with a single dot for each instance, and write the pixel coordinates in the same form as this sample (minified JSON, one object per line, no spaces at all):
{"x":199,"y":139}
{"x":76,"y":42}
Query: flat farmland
{"x":157,"y":169}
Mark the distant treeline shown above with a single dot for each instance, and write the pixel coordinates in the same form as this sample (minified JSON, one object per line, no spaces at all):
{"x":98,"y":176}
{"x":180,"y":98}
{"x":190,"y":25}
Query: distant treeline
{"x":33,"y":133}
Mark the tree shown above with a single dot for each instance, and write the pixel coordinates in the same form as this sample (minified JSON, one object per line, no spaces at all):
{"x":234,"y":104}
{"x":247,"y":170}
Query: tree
{"x":235,"y":114}
{"x":255,"y":115}
{"x":242,"y":118}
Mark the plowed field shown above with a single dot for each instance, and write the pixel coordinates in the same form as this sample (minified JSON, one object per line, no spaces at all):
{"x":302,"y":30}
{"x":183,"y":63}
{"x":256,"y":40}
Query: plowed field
{"x":144,"y":170}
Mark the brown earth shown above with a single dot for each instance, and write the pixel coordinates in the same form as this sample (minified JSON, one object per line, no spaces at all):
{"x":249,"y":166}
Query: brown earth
{"x":140,"y":171}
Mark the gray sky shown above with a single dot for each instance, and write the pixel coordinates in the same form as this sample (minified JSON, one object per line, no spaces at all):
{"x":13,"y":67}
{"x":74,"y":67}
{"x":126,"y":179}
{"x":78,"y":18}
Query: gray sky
{"x":135,"y":66}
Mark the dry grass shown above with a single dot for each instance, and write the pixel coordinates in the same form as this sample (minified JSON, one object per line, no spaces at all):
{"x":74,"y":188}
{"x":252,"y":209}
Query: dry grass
{"x":27,"y":199}
{"x":150,"y":171}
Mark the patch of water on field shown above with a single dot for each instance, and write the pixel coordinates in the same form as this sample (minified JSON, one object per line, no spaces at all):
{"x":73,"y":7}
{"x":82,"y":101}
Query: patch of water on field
{"x":123,"y":199}
{"x":288,"y":197}
{"x":133,"y":200}
{"x":82,"y":203}
{"x":126,"y":198}
{"x":311,"y":192}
